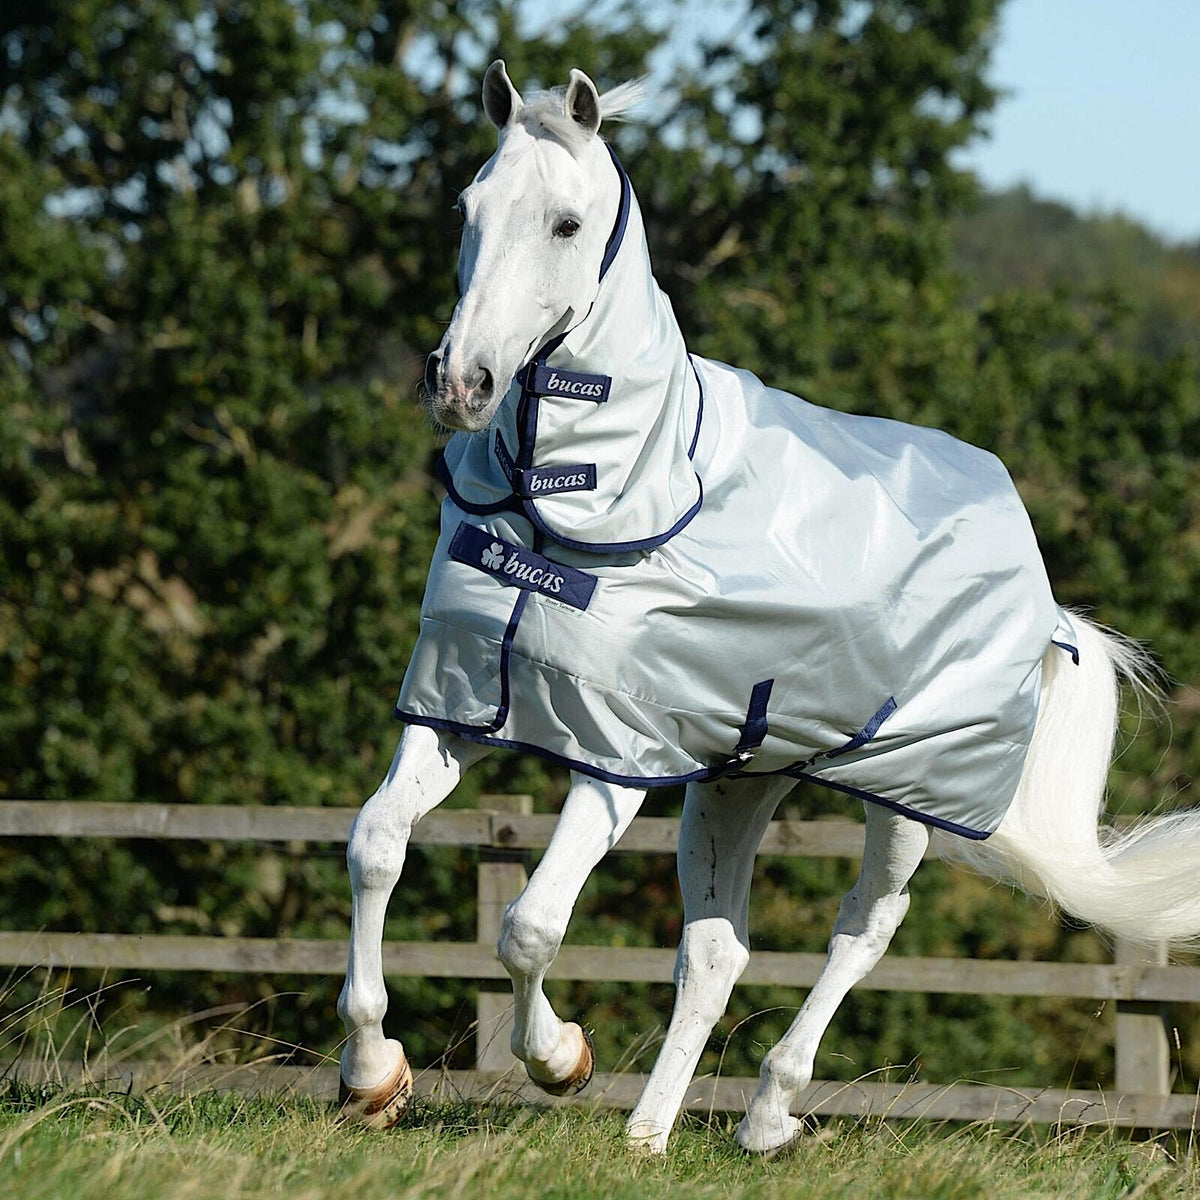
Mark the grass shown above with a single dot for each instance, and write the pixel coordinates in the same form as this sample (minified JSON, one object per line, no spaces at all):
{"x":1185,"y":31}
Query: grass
{"x":85,"y":1143}
{"x":69,"y":1140}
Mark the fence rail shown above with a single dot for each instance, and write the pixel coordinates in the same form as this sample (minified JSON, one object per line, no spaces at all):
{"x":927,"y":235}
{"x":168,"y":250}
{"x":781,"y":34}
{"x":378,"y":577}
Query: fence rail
{"x":1139,"y":982}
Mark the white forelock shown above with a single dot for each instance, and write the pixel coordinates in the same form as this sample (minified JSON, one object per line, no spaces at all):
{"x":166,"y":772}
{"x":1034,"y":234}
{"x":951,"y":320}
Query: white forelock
{"x":547,"y":111}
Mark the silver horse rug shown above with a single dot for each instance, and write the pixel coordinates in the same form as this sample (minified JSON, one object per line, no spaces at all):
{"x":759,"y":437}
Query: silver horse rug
{"x":655,"y":569}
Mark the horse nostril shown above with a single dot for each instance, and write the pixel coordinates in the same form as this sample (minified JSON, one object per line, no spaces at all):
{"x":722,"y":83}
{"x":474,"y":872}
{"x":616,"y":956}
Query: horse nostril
{"x":433,"y":366}
{"x":486,"y":383}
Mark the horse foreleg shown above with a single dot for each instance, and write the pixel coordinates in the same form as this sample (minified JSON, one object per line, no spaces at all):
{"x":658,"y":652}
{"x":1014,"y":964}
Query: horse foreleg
{"x":376,"y":1080}
{"x":722,"y":825}
{"x":557,"y":1054}
{"x":869,"y":916}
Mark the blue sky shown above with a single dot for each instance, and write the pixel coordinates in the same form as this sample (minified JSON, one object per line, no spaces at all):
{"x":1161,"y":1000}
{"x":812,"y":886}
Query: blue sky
{"x":1104,"y":110}
{"x":1103,"y":104}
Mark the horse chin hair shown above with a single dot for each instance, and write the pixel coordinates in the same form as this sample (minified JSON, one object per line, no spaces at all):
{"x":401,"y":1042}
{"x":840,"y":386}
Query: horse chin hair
{"x":469,"y":423}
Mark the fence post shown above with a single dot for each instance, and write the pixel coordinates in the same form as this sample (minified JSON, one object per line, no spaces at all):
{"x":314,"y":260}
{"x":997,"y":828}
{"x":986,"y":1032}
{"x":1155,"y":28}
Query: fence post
{"x":502,"y":875}
{"x":1143,"y":1051}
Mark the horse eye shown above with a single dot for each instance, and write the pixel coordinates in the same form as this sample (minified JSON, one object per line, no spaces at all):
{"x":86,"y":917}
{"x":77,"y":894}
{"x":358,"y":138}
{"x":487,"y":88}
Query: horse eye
{"x":460,"y":207}
{"x":566,"y":229}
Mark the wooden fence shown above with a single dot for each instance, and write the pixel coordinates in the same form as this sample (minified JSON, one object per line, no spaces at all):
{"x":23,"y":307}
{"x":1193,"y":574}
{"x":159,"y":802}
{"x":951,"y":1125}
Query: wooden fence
{"x":1138,"y":983}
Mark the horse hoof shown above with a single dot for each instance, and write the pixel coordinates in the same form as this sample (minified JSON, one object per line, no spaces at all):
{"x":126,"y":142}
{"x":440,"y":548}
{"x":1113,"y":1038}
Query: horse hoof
{"x":797,"y":1133}
{"x":783,"y":1150}
{"x":382,"y":1106}
{"x":580,"y":1076}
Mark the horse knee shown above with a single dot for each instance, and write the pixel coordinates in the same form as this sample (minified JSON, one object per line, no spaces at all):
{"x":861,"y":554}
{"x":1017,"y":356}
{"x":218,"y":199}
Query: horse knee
{"x":711,"y":959}
{"x":377,"y":846}
{"x":872,"y":918}
{"x":529,"y":938}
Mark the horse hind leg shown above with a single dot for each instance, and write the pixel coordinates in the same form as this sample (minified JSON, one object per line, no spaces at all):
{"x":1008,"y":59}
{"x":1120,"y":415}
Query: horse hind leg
{"x":376,"y":1082}
{"x":557,"y":1054}
{"x":722,"y":824}
{"x":869,"y":916}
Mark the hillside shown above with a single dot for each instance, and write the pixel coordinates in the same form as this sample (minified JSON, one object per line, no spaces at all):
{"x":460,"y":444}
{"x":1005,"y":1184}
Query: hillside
{"x":1014,"y":240}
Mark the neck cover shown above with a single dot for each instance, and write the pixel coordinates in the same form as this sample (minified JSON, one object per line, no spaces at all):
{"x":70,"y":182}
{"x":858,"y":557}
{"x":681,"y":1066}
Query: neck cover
{"x":847,"y":600}
{"x":594,"y":439}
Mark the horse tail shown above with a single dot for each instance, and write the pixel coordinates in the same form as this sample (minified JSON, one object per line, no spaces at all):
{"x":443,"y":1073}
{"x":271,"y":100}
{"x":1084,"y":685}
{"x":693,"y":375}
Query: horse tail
{"x":1141,"y":882}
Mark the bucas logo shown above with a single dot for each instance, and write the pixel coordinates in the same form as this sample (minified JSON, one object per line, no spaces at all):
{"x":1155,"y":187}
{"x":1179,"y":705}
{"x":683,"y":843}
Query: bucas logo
{"x":558,"y":483}
{"x":539,"y":577}
{"x":517,"y":566}
{"x":562,"y":385}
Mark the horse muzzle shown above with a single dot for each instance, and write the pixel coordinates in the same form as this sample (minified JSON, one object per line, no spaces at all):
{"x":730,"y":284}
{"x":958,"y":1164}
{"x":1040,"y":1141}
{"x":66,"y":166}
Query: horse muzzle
{"x":461,"y":399}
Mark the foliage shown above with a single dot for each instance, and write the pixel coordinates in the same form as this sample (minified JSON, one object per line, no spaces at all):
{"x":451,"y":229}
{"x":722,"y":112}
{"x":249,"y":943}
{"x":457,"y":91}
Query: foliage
{"x":1014,"y":241}
{"x":227,"y":243}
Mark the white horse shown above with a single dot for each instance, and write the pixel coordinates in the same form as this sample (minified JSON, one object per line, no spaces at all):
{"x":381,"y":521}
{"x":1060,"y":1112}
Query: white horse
{"x":532,"y":635}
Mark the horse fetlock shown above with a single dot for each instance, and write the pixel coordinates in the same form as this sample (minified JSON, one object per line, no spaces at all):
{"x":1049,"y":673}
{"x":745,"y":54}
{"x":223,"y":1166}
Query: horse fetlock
{"x":648,"y":1136}
{"x":786,"y":1071}
{"x":368,"y":1064}
{"x":360,"y":1005}
{"x":539,"y":1039}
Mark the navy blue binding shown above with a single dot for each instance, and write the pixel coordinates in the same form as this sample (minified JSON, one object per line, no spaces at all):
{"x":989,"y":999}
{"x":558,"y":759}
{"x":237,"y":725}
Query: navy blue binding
{"x":1073,"y":651}
{"x":703,"y":775}
{"x":618,"y":230}
{"x":699,"y":412}
{"x":648,"y":543}
{"x":508,"y":504}
{"x":527,"y":415}
{"x":973,"y":835}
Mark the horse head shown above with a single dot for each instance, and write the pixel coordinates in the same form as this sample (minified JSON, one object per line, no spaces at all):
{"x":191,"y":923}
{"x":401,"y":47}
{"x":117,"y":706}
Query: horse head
{"x":536,"y":219}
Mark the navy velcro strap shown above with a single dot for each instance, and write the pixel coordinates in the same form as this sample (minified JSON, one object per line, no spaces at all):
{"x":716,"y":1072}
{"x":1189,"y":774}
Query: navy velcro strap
{"x":517,"y":566}
{"x":507,"y":465}
{"x":531,"y":482}
{"x":569,"y":385}
{"x":754,"y":731}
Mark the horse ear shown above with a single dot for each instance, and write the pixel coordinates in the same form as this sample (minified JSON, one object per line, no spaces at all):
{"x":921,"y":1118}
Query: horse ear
{"x":583,"y":102}
{"x":501,"y":101}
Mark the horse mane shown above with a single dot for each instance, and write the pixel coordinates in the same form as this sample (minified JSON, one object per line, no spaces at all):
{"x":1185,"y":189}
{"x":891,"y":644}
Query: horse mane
{"x":546,"y":112}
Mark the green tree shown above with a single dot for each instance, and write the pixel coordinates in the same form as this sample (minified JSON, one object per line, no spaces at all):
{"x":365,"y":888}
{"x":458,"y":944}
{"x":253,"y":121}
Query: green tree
{"x":227,"y":242}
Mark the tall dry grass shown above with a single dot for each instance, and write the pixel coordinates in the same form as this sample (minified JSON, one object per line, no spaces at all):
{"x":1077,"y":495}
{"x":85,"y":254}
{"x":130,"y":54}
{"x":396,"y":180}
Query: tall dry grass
{"x":77,"y":1120}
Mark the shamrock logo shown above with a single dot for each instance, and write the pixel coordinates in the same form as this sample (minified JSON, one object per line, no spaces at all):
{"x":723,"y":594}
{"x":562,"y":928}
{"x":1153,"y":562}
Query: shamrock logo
{"x":493,"y":556}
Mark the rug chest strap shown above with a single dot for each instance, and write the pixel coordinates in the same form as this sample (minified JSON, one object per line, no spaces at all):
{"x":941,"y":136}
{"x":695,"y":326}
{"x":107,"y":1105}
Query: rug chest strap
{"x":754,"y":730}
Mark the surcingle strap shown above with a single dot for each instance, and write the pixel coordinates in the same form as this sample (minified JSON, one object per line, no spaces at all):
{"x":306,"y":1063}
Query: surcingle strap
{"x":754,"y":731}
{"x":868,"y":731}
